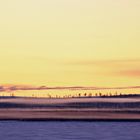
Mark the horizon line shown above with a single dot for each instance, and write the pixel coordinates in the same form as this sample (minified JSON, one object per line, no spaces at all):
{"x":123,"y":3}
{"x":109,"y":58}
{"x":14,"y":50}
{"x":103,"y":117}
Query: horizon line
{"x":8,"y":88}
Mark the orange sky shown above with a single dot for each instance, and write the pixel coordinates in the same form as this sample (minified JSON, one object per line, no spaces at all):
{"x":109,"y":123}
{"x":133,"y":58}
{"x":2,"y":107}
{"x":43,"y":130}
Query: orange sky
{"x":70,"y":43}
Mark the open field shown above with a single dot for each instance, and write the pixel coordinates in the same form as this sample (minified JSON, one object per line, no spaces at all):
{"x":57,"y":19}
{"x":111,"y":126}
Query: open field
{"x":70,"y":109}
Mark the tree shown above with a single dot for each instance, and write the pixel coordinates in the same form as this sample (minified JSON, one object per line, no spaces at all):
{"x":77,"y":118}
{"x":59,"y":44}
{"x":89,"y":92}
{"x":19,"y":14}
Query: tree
{"x":79,"y":95}
{"x":85,"y":94}
{"x":100,"y":94}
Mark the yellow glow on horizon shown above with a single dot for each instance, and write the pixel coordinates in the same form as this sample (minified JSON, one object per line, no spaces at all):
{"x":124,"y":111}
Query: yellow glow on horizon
{"x":70,"y":43}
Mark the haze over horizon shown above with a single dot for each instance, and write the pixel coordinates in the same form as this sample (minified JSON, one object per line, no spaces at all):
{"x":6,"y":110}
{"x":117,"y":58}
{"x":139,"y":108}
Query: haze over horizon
{"x":92,"y":43}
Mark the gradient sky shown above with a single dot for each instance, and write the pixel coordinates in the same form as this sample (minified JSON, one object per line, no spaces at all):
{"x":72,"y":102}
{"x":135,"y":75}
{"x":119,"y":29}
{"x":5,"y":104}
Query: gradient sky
{"x":70,"y":43}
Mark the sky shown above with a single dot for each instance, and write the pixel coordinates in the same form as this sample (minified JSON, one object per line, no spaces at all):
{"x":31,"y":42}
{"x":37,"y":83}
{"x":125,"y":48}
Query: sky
{"x":89,"y":43}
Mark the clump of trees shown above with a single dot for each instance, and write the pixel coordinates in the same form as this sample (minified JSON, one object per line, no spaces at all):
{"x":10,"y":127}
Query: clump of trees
{"x":85,"y":95}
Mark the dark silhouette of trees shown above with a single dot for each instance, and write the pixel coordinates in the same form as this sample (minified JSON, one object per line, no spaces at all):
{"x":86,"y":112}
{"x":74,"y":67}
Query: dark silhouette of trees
{"x":100,"y":94}
{"x":85,"y":94}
